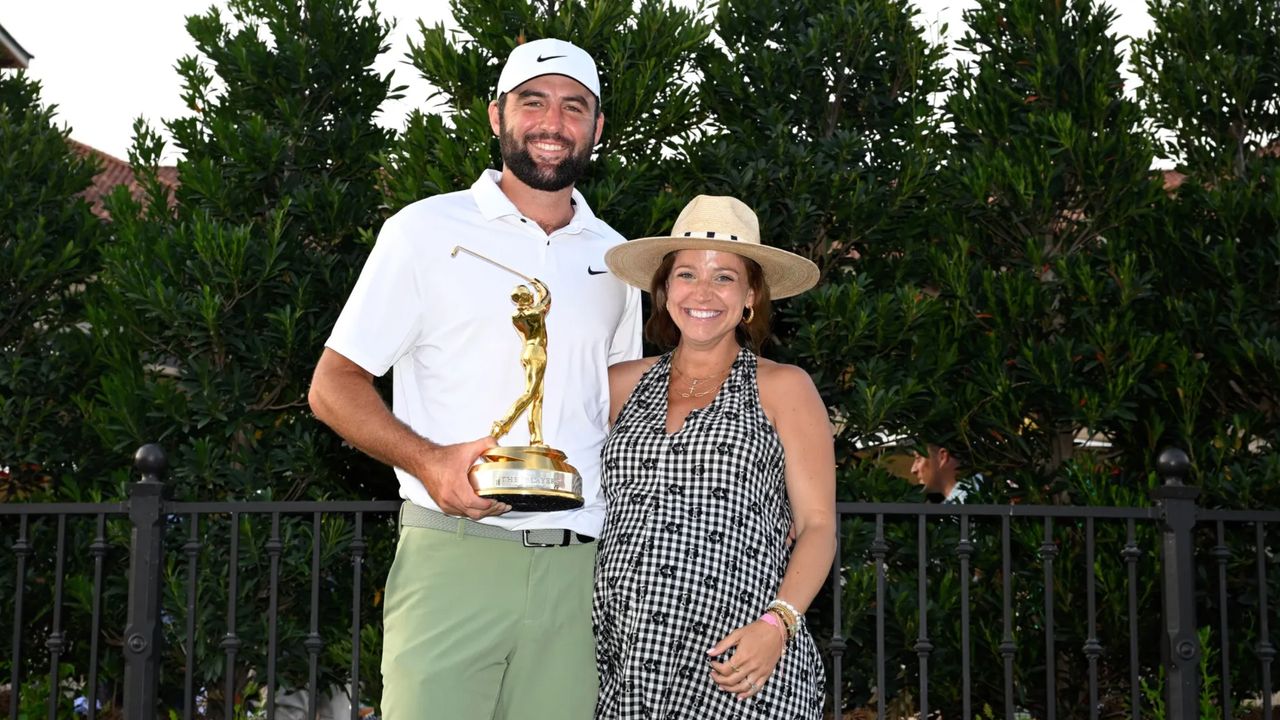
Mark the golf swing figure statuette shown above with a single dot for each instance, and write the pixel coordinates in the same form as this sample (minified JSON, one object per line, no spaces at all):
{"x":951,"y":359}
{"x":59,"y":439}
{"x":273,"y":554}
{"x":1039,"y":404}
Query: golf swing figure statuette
{"x":533,"y":477}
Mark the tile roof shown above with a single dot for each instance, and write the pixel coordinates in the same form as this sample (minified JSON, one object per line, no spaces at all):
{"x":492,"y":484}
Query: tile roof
{"x":1173,"y":179}
{"x":118,"y":172}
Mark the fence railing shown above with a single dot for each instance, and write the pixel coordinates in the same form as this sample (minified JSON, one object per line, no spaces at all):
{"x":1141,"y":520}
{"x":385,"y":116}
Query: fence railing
{"x":925,"y":602}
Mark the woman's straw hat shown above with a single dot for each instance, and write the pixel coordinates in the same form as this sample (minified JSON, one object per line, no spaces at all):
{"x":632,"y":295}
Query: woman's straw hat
{"x":714,"y":222}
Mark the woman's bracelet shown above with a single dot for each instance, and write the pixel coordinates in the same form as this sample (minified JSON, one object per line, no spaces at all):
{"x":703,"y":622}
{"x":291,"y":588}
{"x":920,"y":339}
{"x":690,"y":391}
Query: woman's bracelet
{"x":785,"y":620}
{"x":771,"y":618}
{"x":787,"y":613}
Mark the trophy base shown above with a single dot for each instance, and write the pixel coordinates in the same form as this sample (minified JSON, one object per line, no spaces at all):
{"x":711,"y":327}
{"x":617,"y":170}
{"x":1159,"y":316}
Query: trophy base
{"x":528,"y":478}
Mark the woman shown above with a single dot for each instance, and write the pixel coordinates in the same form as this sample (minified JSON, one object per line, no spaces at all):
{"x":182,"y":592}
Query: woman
{"x":715,"y":456}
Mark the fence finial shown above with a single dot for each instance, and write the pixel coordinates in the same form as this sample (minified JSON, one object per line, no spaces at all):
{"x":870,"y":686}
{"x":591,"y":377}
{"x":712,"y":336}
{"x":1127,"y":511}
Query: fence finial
{"x":1174,"y":466}
{"x":151,"y":461}
{"x":143,"y":637}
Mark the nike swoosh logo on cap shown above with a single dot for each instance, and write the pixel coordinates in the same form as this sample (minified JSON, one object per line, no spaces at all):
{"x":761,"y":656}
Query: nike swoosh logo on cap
{"x":591,"y":271}
{"x":549,"y":57}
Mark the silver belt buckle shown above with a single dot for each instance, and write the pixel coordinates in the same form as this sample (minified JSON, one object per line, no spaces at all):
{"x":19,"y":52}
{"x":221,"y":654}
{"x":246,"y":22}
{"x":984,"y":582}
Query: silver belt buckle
{"x":524,"y":540}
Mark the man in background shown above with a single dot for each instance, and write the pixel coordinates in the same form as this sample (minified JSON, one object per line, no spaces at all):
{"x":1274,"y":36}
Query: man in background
{"x":937,"y":471}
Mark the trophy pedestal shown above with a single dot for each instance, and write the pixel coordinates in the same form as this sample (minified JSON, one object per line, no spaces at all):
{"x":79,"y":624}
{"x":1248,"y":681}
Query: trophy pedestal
{"x":528,"y":478}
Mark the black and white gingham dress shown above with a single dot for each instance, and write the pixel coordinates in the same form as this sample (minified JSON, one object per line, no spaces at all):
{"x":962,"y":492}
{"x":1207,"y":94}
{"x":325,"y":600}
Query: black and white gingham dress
{"x":694,"y":546}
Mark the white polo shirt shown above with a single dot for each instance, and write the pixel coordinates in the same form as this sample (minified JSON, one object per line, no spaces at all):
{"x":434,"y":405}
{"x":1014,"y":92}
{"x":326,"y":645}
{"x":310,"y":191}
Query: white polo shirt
{"x":443,"y":324}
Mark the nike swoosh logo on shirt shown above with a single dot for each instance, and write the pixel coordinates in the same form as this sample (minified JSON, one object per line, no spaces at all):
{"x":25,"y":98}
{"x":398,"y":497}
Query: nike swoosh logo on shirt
{"x":591,"y":271}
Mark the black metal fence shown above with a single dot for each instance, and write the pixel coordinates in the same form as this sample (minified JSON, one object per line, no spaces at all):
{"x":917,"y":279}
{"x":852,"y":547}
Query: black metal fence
{"x":932,"y":610}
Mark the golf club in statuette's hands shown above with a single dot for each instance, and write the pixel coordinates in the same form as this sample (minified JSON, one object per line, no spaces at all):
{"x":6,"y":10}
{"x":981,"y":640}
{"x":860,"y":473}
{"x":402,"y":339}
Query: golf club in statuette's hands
{"x":533,"y":477}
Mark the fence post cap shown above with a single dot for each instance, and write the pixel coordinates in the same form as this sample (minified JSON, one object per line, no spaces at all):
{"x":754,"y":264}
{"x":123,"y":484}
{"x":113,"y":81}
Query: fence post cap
{"x":151,"y":461}
{"x":1173,"y":465}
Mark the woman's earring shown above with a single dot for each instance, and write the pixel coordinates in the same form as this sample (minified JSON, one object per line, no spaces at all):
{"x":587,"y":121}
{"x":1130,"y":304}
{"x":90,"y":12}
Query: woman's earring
{"x":751,"y":314}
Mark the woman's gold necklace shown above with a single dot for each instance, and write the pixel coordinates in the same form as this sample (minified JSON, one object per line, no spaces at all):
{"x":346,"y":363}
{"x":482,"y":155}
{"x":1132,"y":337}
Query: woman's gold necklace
{"x":698,"y":386}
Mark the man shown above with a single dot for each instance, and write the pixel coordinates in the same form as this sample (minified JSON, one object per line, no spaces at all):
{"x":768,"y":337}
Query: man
{"x":488,"y":611}
{"x":937,"y":474}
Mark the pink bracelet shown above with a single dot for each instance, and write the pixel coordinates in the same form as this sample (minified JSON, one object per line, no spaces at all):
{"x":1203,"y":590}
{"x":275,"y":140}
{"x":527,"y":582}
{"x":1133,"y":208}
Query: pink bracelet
{"x":772,"y":619}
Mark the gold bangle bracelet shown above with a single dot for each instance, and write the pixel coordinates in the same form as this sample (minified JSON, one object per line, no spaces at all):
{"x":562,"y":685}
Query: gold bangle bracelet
{"x":788,"y":626}
{"x":787,"y":614}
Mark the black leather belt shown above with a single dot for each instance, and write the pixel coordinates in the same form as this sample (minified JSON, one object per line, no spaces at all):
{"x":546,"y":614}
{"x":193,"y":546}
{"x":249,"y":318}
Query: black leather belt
{"x":418,"y":516}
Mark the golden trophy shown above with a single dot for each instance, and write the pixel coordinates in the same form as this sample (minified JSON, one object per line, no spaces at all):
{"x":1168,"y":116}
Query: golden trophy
{"x":533,"y":477}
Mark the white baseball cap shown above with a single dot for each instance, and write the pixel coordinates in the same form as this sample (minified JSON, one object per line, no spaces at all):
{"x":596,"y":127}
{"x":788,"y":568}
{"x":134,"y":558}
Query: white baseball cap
{"x":549,"y":57}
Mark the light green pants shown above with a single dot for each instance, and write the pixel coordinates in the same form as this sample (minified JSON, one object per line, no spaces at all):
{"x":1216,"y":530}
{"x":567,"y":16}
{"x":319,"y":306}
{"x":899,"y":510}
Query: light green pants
{"x":483,"y":629}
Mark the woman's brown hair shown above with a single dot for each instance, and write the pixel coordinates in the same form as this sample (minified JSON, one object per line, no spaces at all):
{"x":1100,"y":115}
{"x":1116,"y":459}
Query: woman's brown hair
{"x":661,"y":330}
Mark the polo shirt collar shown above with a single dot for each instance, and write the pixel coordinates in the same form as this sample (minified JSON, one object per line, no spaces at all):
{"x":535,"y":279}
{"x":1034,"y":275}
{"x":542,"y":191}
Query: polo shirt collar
{"x":494,"y":204}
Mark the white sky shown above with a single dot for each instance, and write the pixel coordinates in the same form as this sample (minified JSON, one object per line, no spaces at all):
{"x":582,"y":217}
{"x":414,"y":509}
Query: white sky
{"x":106,"y":62}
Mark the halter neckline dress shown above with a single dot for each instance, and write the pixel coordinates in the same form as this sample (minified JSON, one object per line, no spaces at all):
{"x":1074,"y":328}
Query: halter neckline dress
{"x":694,"y":546}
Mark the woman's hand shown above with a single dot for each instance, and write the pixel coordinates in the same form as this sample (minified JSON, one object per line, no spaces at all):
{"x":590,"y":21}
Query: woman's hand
{"x":759,"y":647}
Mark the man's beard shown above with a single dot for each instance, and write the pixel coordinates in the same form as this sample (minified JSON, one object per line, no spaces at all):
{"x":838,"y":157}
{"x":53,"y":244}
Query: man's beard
{"x":517,"y":159}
